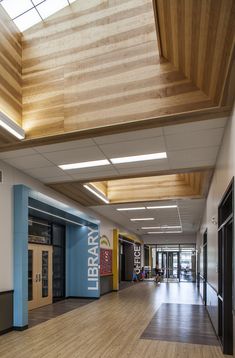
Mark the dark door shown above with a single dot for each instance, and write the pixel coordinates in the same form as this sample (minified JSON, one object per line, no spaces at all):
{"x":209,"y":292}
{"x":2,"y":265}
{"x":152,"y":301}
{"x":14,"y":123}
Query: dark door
{"x":225,"y":269}
{"x":129,"y":261}
{"x":58,"y":238}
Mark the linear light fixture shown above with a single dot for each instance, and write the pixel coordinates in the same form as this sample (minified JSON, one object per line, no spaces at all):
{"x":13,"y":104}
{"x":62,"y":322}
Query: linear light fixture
{"x":93,"y":163}
{"x":129,"y":209}
{"x":11,"y":127}
{"x":142,"y":219}
{"x":160,"y":227}
{"x":139,"y":158}
{"x":103,"y":198}
{"x":165,"y":232}
{"x":162,"y":207}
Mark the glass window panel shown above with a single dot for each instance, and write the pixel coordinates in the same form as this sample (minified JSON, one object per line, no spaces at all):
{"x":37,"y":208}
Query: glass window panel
{"x":30,"y":275}
{"x":27,"y":20}
{"x":15,"y":8}
{"x":50,"y":7}
{"x":45,"y":274}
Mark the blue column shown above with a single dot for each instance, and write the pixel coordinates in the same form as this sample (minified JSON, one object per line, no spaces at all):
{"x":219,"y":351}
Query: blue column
{"x":21,"y":194}
{"x":82,"y":261}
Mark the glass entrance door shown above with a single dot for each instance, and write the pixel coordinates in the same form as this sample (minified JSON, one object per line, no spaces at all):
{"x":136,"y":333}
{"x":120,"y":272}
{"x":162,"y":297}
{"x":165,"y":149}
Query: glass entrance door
{"x":39,"y":275}
{"x":169,"y":264}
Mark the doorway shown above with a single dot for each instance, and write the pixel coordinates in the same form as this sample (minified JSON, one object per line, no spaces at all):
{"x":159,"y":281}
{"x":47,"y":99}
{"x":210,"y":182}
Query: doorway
{"x":225,"y":270}
{"x":169,"y":264}
{"x":39,"y":275}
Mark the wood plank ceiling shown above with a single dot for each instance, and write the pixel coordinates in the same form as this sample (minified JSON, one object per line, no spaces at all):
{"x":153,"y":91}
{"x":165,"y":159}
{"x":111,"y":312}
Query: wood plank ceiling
{"x":193,"y":185}
{"x":94,"y":67}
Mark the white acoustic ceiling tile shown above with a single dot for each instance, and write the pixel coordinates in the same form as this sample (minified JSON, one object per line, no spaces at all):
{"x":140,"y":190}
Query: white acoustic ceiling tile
{"x":195,"y":126}
{"x":49,"y":172}
{"x":65,"y":146}
{"x":86,"y":176}
{"x":195,"y":139}
{"x":17,"y":153}
{"x":150,"y":165}
{"x":137,"y":147}
{"x":193,"y":157}
{"x":29,"y":162}
{"x":75,"y":155}
{"x":59,"y":179}
{"x":98,"y":170}
{"x":129,"y":136}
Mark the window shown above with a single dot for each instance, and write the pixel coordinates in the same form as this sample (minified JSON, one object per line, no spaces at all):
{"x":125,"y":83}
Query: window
{"x":26,"y":13}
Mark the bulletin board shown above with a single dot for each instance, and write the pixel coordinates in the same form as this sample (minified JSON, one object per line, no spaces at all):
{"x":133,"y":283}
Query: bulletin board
{"x":105,"y":262}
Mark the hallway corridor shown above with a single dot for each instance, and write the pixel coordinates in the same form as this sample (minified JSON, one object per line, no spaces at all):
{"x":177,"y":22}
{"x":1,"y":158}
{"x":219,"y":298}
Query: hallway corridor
{"x":109,"y":327}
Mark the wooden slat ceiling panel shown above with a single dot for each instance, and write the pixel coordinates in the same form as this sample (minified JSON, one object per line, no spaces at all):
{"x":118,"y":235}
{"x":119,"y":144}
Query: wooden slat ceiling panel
{"x":163,"y":187}
{"x":10,"y":74}
{"x":106,"y":72}
{"x":198,"y":38}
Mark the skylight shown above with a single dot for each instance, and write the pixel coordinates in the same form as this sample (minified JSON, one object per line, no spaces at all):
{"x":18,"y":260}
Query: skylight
{"x":26,"y":13}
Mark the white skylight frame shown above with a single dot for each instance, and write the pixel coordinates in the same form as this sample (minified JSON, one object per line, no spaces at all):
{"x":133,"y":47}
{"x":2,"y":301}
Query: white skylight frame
{"x":27,"y":13}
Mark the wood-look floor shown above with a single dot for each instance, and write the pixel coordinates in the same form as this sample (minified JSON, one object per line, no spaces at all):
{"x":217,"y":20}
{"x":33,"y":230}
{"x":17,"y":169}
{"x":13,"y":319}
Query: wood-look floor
{"x":109,"y":327}
{"x":43,"y":314}
{"x":182,"y":323}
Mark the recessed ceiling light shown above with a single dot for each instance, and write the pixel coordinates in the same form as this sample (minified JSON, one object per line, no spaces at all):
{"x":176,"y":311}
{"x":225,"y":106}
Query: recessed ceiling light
{"x":142,"y":219}
{"x":94,"y":163}
{"x":162,"y":207}
{"x":103,"y":198}
{"x":160,"y":227}
{"x":11,"y":126}
{"x":139,"y":158}
{"x":165,"y":232}
{"x":128,"y":209}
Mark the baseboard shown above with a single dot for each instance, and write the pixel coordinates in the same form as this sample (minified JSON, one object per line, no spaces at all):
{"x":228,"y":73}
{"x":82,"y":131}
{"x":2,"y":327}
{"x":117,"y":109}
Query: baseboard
{"x":85,"y":298}
{"x":6,"y":331}
{"x":23,"y":328}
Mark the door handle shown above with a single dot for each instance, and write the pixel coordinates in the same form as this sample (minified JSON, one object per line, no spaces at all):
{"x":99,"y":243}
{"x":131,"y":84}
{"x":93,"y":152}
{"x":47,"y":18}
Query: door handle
{"x":39,"y":277}
{"x":36,"y":280}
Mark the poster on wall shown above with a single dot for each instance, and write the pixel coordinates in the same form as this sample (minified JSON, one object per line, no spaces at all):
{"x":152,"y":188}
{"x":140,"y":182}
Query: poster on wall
{"x":105,"y":262}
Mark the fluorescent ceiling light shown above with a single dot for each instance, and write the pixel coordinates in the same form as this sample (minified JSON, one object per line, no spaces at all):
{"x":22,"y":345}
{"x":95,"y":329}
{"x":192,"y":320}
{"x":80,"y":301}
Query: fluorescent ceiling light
{"x":165,"y":232}
{"x":94,"y":163}
{"x":11,"y":126}
{"x":139,"y":158}
{"x":97,"y":194}
{"x":142,"y":219}
{"x":129,"y":209}
{"x":160,"y":227}
{"x":162,"y":207}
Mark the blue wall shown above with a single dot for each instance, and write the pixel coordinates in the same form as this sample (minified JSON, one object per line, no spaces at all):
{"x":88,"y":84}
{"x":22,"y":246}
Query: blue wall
{"x":82,"y":261}
{"x":21,"y":193}
{"x":82,"y":254}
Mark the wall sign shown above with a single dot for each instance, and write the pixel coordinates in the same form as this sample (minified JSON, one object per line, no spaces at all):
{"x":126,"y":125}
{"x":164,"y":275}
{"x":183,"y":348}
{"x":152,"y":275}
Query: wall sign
{"x":137,"y":258}
{"x":105,"y":261}
{"x":93,"y":260}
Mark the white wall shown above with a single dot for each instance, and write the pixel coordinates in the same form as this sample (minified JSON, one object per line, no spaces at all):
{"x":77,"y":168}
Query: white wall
{"x":224,"y":172}
{"x":12,"y":176}
{"x":170,"y":239}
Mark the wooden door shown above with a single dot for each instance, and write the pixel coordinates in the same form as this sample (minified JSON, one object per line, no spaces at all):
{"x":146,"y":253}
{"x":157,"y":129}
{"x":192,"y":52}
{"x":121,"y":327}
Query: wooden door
{"x":39,"y":275}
